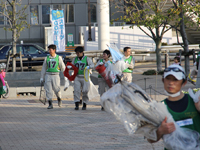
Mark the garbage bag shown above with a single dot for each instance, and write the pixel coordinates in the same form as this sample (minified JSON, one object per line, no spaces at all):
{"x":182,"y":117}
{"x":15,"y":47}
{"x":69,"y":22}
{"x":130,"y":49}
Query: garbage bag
{"x":138,"y":112}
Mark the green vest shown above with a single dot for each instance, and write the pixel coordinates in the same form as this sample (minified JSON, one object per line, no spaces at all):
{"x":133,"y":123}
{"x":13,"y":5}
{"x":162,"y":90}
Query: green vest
{"x":129,"y":61}
{"x":81,"y":64}
{"x":190,"y":113}
{"x":53,"y":64}
{"x":101,"y":60}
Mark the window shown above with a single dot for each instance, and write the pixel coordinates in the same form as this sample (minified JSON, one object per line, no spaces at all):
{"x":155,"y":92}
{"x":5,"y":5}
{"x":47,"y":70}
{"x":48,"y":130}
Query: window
{"x":30,"y":50}
{"x":1,"y":17}
{"x":9,"y":13}
{"x":55,"y":7}
{"x":69,"y":8}
{"x":45,"y":14}
{"x":34,"y":15}
{"x":19,"y":49}
{"x":93,"y":12}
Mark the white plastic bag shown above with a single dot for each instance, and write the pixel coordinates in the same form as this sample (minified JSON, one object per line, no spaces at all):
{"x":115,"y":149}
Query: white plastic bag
{"x":131,"y":105}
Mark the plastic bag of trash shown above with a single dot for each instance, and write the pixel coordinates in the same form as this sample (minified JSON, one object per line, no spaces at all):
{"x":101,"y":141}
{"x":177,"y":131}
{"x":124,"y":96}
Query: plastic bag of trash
{"x":138,"y":112}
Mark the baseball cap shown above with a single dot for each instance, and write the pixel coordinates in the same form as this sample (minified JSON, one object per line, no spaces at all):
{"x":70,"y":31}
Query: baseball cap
{"x":177,"y":71}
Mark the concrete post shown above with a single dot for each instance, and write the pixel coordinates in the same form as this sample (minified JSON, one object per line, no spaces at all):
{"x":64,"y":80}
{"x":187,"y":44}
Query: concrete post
{"x":103,"y":24}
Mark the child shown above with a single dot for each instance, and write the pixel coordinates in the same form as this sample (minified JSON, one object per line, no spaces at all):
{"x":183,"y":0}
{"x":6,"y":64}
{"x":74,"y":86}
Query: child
{"x":52,"y":65}
{"x":130,"y":61}
{"x":103,"y":87}
{"x":81,"y":62}
{"x":177,"y":60}
{"x":181,"y":106}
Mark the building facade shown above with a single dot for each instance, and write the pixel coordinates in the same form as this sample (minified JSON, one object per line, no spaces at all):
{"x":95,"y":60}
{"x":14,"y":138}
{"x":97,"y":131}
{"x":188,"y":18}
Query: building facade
{"x":38,"y":16}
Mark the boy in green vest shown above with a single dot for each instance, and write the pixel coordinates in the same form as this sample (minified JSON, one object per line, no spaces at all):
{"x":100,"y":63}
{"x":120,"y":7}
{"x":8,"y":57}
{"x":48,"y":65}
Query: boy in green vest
{"x":52,"y":65}
{"x":81,"y":62}
{"x":184,"y":109}
{"x":130,"y":61}
{"x":103,"y":87}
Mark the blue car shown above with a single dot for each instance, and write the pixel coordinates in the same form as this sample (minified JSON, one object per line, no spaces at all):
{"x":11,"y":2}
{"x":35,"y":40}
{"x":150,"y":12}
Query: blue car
{"x":32,"y":52}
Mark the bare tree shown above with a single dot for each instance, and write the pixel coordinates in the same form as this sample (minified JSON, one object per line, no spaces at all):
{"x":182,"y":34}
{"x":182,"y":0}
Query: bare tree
{"x":17,"y":23}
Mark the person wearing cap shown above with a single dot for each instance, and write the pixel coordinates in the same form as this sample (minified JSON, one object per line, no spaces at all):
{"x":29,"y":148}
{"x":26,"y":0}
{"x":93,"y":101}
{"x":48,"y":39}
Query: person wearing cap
{"x":81,"y":62}
{"x":182,"y":107}
{"x":130,"y":62}
{"x":51,"y":68}
{"x":103,"y":86}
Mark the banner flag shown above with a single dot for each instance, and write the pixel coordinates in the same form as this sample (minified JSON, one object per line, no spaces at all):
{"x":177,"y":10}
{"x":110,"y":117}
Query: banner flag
{"x":58,"y":26}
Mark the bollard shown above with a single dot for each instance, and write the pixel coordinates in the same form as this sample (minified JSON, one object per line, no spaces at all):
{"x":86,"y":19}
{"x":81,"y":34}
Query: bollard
{"x":166,"y":59}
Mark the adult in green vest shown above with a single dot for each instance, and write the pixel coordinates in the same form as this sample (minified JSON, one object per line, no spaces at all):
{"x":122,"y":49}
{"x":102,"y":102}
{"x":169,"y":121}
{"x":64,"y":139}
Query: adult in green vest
{"x":184,"y":109}
{"x":51,"y":68}
{"x":130,"y":62}
{"x":81,"y":62}
{"x":103,"y":86}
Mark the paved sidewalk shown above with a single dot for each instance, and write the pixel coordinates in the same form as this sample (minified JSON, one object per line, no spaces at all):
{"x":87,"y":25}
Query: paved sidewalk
{"x":26,"y":124}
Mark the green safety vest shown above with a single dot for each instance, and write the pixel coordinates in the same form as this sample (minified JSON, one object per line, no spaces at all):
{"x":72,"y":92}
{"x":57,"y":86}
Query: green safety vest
{"x":101,"y":60}
{"x":53,"y":64}
{"x":190,"y":113}
{"x":81,"y":64}
{"x":129,"y":61}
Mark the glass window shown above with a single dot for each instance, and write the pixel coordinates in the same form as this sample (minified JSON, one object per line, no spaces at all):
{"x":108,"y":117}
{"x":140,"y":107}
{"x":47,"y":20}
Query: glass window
{"x":45,"y":14}
{"x":1,"y":17}
{"x":30,"y":50}
{"x":19,"y":49}
{"x":93,"y":12}
{"x":55,"y":7}
{"x":9,"y":12}
{"x":69,"y":8}
{"x":34,"y":15}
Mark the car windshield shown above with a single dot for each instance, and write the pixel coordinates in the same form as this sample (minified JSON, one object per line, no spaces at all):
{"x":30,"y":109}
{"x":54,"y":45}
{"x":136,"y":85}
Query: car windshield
{"x":40,"y":48}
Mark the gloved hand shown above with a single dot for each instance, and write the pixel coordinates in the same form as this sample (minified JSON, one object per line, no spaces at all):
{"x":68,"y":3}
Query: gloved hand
{"x":195,"y":96}
{"x":88,"y":67}
{"x":101,"y":63}
{"x":127,"y":62}
{"x":69,"y":67}
{"x":66,"y":84}
{"x":4,"y":88}
{"x":41,"y":80}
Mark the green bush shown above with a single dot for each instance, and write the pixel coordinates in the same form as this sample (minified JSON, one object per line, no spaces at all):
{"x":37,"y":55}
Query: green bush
{"x":152,"y":72}
{"x":164,"y":44}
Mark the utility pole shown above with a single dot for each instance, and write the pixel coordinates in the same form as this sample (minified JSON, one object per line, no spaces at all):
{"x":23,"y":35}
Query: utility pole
{"x":89,"y":22}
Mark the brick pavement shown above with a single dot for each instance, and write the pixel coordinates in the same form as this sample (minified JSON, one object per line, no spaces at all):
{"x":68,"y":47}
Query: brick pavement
{"x":26,"y":124}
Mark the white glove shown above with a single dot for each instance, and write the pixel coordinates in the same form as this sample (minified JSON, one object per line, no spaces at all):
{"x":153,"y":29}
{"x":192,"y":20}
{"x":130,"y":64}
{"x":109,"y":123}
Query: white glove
{"x":69,"y":67}
{"x":101,"y":63}
{"x":4,"y":88}
{"x":41,"y":80}
{"x":88,"y":67}
{"x":195,"y":96}
{"x":66,"y":84}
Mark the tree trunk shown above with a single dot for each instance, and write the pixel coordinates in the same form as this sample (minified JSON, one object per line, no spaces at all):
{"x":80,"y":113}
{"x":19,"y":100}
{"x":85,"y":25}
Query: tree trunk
{"x":14,"y":38}
{"x":185,"y":42}
{"x":158,"y":55}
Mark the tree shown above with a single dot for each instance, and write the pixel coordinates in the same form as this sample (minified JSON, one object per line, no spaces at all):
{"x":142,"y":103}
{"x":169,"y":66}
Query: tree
{"x":188,"y":16}
{"x":17,"y":22}
{"x":153,"y":17}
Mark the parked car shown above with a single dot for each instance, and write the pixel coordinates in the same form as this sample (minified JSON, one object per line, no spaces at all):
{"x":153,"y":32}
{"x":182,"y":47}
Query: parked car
{"x":30,"y":51}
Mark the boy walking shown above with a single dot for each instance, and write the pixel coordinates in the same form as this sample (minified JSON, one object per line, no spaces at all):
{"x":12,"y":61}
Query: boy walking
{"x":103,"y":87}
{"x":80,"y":84}
{"x":51,"y":68}
{"x":182,"y":107}
{"x":130,"y":62}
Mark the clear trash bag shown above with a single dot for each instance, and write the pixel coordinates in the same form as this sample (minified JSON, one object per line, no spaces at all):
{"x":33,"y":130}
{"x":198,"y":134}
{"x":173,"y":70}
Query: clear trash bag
{"x":116,"y":54}
{"x":140,"y":114}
